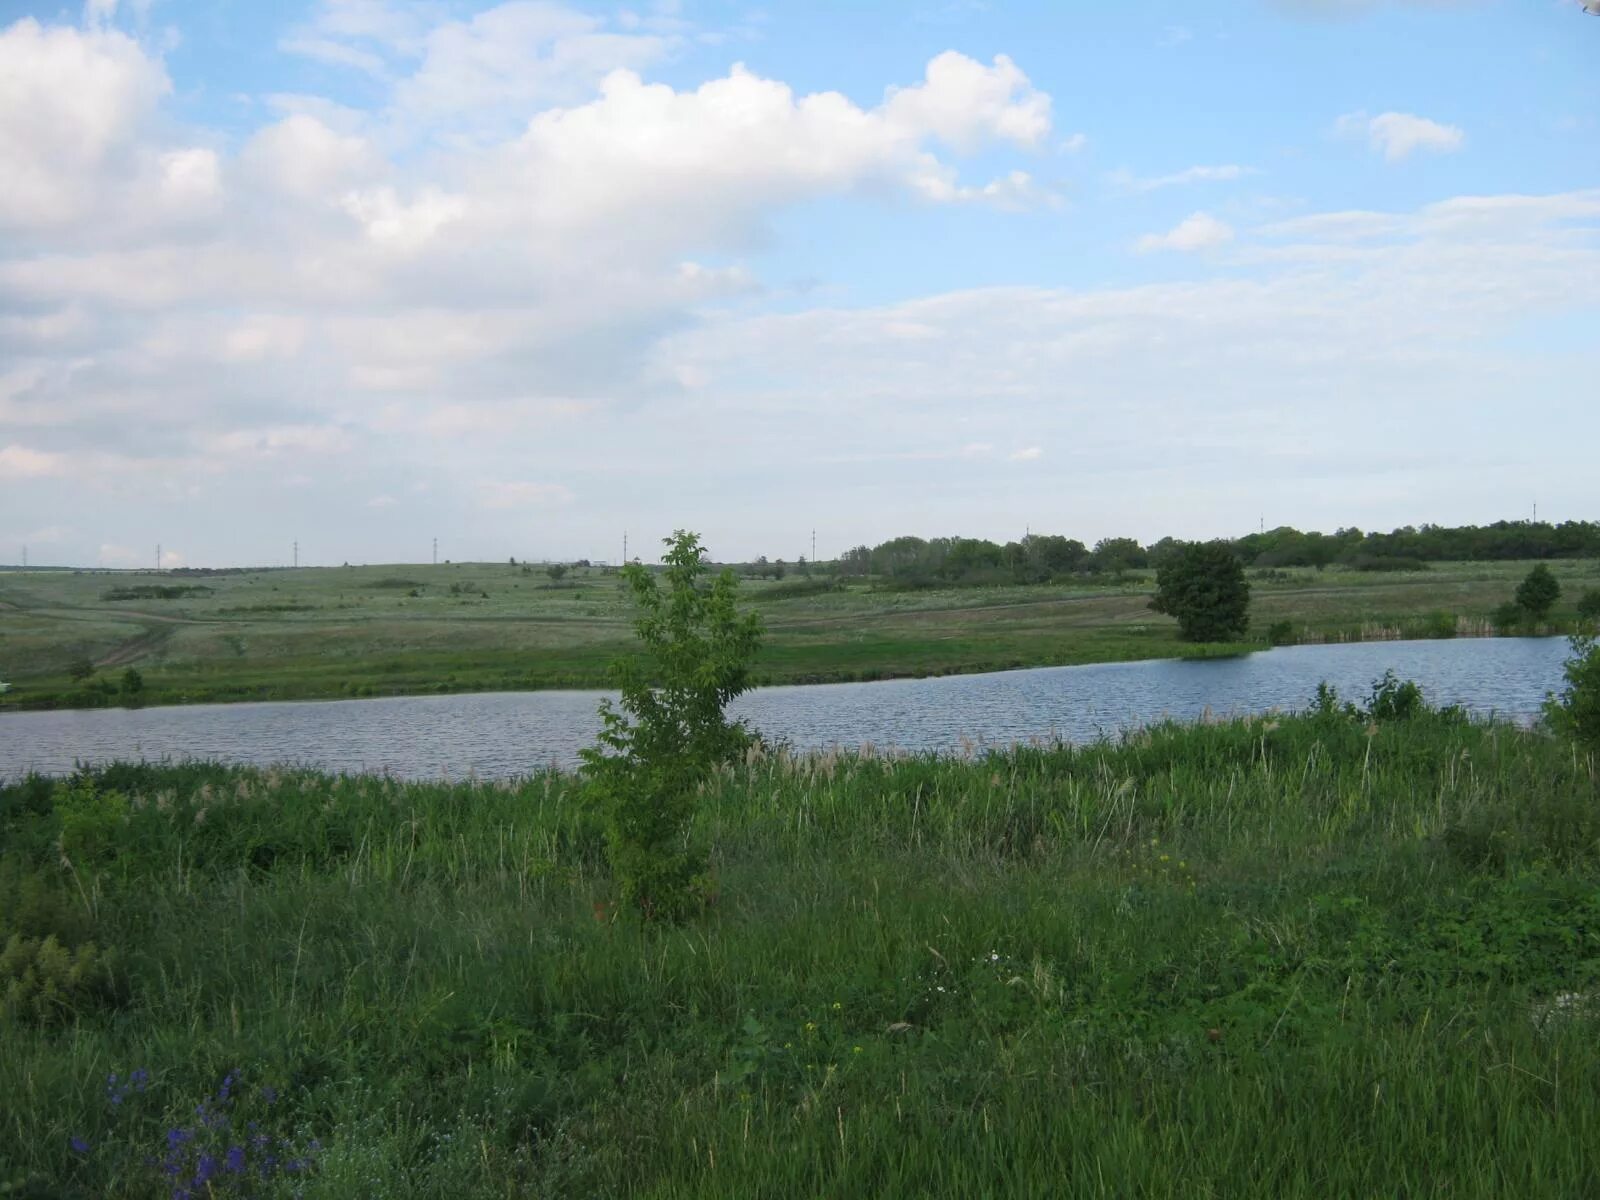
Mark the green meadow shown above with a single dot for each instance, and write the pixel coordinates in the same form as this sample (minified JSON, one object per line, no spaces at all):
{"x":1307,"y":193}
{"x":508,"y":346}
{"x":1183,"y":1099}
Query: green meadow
{"x":406,"y":629}
{"x":1313,"y":956}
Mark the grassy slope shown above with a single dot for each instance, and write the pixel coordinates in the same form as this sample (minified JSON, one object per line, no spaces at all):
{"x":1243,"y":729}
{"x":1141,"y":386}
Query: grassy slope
{"x":351,"y":631}
{"x":1296,"y":959}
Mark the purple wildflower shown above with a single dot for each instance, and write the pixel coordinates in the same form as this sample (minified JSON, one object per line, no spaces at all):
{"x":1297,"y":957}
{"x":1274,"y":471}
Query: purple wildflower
{"x":233,"y":1163}
{"x":140,"y":1078}
{"x":78,"y":1144}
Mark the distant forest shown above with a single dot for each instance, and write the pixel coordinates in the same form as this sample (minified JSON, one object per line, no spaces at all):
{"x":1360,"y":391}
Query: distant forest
{"x":914,"y":561}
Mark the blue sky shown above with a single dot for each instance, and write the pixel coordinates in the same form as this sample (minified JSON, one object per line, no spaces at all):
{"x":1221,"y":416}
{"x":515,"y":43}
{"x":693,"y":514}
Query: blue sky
{"x":523,"y":275}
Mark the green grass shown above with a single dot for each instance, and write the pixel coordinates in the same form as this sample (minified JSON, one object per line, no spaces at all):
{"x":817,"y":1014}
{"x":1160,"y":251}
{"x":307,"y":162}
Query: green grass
{"x":1304,"y":957}
{"x":359,"y":631}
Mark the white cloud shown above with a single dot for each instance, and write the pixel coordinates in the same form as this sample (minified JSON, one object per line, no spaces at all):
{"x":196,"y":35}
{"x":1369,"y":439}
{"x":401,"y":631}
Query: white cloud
{"x":1027,"y":454}
{"x":382,"y":502}
{"x":1075,"y":143}
{"x":1126,"y":181}
{"x":71,"y":103}
{"x":1198,"y":231}
{"x":1398,"y":135}
{"x":524,"y":495}
{"x":21,"y":462}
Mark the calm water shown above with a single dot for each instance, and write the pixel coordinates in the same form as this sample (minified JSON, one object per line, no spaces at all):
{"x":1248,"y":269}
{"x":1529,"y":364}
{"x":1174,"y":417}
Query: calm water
{"x":507,"y":734}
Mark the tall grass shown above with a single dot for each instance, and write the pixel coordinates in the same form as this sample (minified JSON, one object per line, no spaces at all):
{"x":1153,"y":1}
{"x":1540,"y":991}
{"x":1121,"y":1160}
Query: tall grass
{"x":1306,"y":956}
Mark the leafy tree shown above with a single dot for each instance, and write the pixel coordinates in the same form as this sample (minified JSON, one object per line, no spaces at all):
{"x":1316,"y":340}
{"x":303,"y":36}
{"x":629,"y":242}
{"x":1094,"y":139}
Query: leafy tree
{"x":668,"y":731}
{"x":1576,"y":710}
{"x":1538,"y":593}
{"x":556,"y":571}
{"x":1117,"y":555}
{"x":132,"y":682}
{"x":1205,"y":589}
{"x":80,"y":669}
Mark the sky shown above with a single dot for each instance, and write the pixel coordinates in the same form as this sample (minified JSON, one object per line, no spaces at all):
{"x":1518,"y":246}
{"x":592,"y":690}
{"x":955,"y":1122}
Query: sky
{"x":523,"y":277}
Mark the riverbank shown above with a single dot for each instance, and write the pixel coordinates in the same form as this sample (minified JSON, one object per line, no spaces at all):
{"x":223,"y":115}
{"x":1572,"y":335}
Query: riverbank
{"x":1308,"y":956}
{"x":403,"y":630}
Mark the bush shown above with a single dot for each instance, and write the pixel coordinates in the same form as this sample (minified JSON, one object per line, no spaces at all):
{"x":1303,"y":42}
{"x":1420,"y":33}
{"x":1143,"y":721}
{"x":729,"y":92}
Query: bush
{"x":1439,"y":624}
{"x":1575,"y":710}
{"x":1203,"y":586}
{"x":80,"y":669}
{"x":1589,"y":606}
{"x":1538,"y":593}
{"x":44,"y":982}
{"x":1394,"y":699}
{"x":645,"y":773}
{"x":1281,"y":633}
{"x":132,"y":682}
{"x":1507,"y":618}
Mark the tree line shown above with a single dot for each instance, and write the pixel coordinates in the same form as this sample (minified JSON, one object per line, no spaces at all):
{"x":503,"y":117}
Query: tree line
{"x":1039,"y":558}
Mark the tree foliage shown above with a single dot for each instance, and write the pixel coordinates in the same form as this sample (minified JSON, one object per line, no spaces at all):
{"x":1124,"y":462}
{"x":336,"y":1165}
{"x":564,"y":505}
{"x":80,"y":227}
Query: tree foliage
{"x":1575,"y":710}
{"x":1203,"y":586}
{"x":668,"y":730}
{"x":1537,"y":594}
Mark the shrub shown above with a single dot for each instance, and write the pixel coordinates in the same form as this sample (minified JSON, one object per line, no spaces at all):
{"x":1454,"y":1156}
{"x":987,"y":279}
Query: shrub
{"x":1589,"y":606}
{"x":1394,"y":699}
{"x":44,"y":982}
{"x":1281,"y":633}
{"x":1507,"y":618}
{"x":1439,"y":624}
{"x":80,"y":669}
{"x":132,"y":682}
{"x":1538,"y":593}
{"x":1575,"y":710}
{"x":1203,"y":586}
{"x":646,"y":771}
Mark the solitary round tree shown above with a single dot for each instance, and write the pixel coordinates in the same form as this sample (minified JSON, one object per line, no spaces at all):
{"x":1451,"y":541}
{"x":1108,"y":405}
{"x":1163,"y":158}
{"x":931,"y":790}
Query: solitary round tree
{"x":1538,"y":593}
{"x":1203,"y":586}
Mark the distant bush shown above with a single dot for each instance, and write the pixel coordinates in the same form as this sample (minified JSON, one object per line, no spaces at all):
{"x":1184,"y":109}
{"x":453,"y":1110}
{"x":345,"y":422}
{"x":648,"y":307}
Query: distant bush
{"x":1589,"y":605}
{"x":176,"y":592}
{"x":801,"y":588}
{"x":1385,"y":562}
{"x":1538,"y":593}
{"x":1439,"y":624}
{"x":1507,"y":618}
{"x":395,"y":583}
{"x":1280,"y":633}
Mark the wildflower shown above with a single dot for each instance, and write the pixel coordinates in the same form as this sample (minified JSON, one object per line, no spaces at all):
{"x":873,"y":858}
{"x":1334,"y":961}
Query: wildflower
{"x":139,"y":1078}
{"x":837,"y":1006}
{"x":233,"y":1161}
{"x":78,"y":1144}
{"x":811,"y":1026}
{"x":269,"y":1094}
{"x":855,"y":1050}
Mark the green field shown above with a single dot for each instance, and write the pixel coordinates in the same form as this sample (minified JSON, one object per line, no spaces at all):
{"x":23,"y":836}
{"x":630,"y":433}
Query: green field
{"x":1307,"y":957}
{"x":388,"y":630}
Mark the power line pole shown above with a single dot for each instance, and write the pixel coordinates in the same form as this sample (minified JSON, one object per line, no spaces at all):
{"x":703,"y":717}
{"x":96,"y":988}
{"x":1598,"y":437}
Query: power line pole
{"x":813,"y":545}
{"x":436,"y":552}
{"x":158,"y":558}
{"x":624,"y":547}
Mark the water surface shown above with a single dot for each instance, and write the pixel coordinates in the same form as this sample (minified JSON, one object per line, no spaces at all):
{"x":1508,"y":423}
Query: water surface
{"x":506,"y":734}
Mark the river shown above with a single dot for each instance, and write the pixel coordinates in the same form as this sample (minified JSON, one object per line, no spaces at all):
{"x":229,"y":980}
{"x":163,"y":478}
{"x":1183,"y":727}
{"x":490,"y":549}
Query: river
{"x":506,"y":734}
